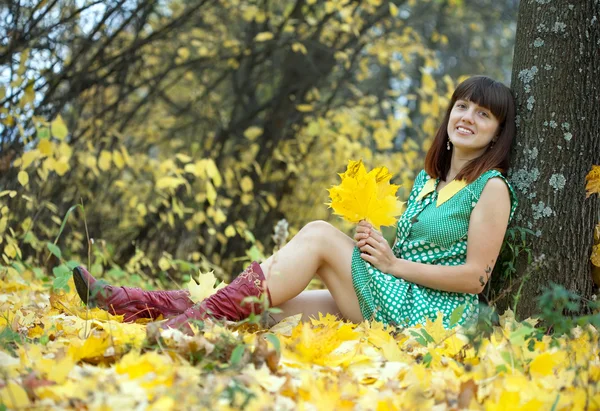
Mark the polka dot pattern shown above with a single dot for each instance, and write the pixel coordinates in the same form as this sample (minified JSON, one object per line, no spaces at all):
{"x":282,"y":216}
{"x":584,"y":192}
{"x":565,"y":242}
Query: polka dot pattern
{"x":431,"y":235}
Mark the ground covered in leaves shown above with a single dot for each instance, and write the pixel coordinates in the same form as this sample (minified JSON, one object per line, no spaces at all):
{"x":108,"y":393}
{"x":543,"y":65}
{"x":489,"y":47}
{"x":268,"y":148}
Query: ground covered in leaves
{"x":56,"y":353}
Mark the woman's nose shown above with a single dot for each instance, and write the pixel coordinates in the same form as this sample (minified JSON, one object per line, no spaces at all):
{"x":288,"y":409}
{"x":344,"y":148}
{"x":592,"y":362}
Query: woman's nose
{"x":468,"y":116}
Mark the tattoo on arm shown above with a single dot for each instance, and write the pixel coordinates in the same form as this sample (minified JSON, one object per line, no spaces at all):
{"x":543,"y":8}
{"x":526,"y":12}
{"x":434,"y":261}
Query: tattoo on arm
{"x":488,"y":273}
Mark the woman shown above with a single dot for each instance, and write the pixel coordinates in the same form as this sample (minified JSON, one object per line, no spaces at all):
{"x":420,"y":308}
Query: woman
{"x":447,"y":242}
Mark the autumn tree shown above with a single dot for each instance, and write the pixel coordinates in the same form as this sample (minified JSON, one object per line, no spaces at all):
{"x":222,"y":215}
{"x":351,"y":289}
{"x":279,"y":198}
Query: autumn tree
{"x":556,"y":80}
{"x":183,"y":128}
{"x":188,"y":129}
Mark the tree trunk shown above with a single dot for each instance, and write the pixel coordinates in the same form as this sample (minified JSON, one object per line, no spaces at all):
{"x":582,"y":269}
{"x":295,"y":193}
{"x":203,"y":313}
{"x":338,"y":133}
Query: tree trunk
{"x":556,"y":81}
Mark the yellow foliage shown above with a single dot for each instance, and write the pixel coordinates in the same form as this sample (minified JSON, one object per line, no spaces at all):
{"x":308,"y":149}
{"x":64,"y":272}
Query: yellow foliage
{"x":58,"y":128}
{"x":252,"y":133}
{"x":593,"y":181}
{"x":14,"y":396}
{"x":544,"y":364}
{"x":595,"y":257}
{"x":23,"y":177}
{"x":264,"y":36}
{"x":169,"y":182}
{"x":246,"y":184}
{"x":29,"y":157}
{"x":299,"y":48}
{"x":304,"y":108}
{"x":118,"y":159}
{"x":366,"y":196}
{"x":204,"y":287}
{"x":322,"y":363}
{"x":105,"y":160}
{"x":45,"y":147}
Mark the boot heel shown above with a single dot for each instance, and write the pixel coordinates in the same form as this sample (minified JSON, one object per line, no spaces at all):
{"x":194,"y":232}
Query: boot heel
{"x":81,"y":285}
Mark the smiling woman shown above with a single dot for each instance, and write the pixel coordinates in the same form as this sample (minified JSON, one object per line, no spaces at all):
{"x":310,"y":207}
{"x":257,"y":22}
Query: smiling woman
{"x":447,"y":242}
{"x":484,"y":110}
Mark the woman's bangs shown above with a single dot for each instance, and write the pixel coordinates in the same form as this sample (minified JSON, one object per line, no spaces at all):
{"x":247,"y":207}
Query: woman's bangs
{"x":486,"y":93}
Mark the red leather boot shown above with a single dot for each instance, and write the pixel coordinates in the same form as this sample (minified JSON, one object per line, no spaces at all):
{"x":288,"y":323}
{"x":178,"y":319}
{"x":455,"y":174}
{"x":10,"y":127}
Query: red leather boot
{"x":132,"y":303}
{"x":225,"y":304}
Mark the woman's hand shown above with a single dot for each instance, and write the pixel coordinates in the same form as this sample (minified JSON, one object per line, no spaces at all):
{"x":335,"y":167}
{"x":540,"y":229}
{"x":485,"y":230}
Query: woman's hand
{"x":374,"y":248}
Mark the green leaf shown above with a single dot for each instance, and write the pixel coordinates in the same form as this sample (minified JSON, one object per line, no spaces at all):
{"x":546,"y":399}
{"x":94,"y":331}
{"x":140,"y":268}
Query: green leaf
{"x":507,"y":357}
{"x":39,"y":274}
{"x":456,"y":315}
{"x":54,"y":249}
{"x":29,"y":238}
{"x":96,"y":269}
{"x":18,"y":266}
{"x":61,"y":283}
{"x":419,"y":338}
{"x":72,"y":264}
{"x":427,"y":336}
{"x":61,"y":271}
{"x":116,"y":272}
{"x":249,"y":236}
{"x":519,"y":336}
{"x":236,"y":355}
{"x":275,"y":341}
{"x":427,"y":359}
{"x":255,"y":254}
{"x":62,"y":226}
{"x":43,"y":133}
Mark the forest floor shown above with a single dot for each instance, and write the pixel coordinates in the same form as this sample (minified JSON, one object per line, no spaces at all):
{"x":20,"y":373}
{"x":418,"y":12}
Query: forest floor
{"x":56,"y":353}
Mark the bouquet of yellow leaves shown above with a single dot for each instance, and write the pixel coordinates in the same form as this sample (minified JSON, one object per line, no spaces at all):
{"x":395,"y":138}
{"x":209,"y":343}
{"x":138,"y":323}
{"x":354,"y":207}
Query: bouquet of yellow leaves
{"x":366,"y":196}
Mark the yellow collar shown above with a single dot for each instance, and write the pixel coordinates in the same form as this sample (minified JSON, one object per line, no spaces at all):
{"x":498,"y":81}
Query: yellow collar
{"x":445,"y":194}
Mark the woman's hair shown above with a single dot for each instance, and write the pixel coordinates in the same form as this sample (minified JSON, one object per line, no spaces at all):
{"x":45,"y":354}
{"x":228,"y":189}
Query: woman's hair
{"x":497,"y":98}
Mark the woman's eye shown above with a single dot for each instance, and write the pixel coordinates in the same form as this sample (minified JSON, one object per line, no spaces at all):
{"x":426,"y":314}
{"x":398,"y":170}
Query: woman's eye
{"x":484,"y":114}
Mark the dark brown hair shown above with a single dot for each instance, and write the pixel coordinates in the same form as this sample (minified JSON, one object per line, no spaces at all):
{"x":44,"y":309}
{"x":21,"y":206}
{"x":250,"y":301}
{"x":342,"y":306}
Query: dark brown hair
{"x":497,"y":98}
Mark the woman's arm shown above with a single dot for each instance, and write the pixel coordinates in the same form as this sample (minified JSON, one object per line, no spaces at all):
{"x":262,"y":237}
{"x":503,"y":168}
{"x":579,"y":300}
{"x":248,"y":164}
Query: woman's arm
{"x":487,"y":226}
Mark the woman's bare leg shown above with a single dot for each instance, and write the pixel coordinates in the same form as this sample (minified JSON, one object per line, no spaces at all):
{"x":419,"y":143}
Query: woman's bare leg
{"x":321,"y":249}
{"x":309,"y":303}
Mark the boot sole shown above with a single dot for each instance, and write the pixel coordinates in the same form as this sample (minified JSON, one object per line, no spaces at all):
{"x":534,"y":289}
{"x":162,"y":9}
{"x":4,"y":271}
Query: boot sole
{"x":80,"y":285}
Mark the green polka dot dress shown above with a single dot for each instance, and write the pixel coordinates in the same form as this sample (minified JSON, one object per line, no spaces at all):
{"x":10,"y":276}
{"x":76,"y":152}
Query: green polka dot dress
{"x":432,"y":230}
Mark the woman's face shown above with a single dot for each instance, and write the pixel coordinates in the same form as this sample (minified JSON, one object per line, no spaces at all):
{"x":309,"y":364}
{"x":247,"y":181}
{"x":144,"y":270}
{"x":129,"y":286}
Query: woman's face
{"x":471,"y":128}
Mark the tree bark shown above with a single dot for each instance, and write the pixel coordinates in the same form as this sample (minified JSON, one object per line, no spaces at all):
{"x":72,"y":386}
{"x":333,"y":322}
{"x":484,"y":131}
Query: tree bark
{"x":556,"y":81}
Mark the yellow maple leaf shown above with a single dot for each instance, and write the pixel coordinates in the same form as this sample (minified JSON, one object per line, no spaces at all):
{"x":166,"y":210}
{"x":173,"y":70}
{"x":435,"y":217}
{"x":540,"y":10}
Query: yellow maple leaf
{"x":593,"y":181}
{"x":287,"y":325}
{"x":204,"y":286}
{"x":595,"y":258}
{"x":544,"y":364}
{"x":151,"y":367}
{"x":365,"y":195}
{"x":14,"y":396}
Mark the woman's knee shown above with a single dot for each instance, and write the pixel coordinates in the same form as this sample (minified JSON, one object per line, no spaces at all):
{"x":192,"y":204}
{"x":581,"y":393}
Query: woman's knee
{"x":317,"y":229}
{"x":328,"y":241}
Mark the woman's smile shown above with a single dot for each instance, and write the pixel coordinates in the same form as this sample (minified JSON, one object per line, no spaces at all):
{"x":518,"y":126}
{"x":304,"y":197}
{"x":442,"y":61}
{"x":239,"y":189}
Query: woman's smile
{"x":471,"y":127}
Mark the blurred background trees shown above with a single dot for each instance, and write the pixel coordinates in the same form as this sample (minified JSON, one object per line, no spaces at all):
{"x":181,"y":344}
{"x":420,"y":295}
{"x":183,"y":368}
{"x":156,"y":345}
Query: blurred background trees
{"x":188,"y":129}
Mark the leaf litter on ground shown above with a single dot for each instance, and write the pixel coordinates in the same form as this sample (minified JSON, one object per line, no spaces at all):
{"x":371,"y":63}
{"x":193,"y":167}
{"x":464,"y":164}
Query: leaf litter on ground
{"x":57,"y":353}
